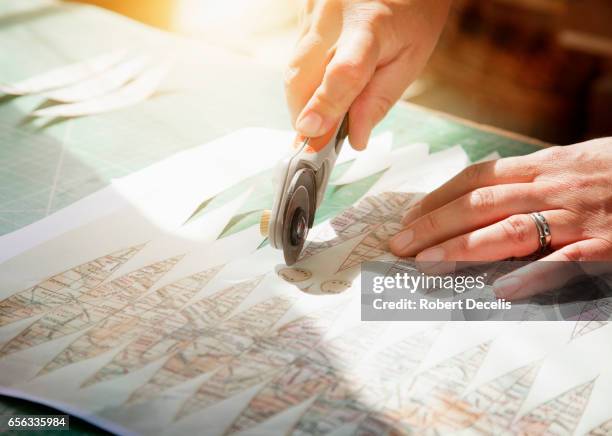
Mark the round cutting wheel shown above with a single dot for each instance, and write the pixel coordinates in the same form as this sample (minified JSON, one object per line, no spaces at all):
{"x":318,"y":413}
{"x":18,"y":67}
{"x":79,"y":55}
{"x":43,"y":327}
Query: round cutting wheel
{"x":296,"y":221}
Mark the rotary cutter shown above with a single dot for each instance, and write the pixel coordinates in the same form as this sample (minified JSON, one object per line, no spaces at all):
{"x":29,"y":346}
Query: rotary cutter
{"x":302,"y":180}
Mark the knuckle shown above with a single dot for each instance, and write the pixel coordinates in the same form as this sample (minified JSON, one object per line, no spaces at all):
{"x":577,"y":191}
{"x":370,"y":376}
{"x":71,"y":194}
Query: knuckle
{"x":517,"y":229}
{"x":573,"y":253}
{"x":581,"y":154}
{"x":553,"y":154}
{"x":527,"y":169}
{"x":428,"y":203}
{"x":482,"y":200}
{"x":431,"y":223}
{"x":351,"y":73}
{"x":584,"y":184}
{"x":462,"y":244}
{"x":372,"y":15}
{"x":524,"y":167}
{"x":380,"y":18}
{"x":548,"y":190}
{"x":327,"y":104}
{"x":379,"y":106}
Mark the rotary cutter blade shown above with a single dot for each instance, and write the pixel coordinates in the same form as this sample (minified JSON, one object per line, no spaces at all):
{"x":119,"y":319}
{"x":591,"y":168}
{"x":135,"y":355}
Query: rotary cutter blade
{"x":302,"y":180}
{"x":298,"y":214}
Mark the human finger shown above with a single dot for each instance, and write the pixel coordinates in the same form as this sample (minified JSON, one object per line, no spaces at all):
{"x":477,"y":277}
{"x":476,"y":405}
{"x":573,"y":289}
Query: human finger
{"x":384,"y":89}
{"x":556,"y":269}
{"x":304,"y":72}
{"x":474,"y":210}
{"x":522,"y":169}
{"x":515,"y":236}
{"x":346,"y":75}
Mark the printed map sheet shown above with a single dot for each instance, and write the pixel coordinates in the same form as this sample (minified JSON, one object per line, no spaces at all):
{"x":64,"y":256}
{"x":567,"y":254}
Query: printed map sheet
{"x":156,"y":307}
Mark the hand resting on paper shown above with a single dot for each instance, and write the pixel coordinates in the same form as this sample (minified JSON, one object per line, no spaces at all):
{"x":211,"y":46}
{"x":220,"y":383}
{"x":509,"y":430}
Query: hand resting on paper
{"x":358,"y":54}
{"x":483,"y":214}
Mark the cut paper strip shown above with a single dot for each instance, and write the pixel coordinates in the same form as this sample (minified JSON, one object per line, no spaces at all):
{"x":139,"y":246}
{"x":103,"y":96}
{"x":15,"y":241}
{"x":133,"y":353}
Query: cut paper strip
{"x":347,"y":153}
{"x":135,"y":92}
{"x":65,"y":76}
{"x":101,"y":84}
{"x":373,"y":159}
{"x":435,"y":170}
{"x":404,"y":161}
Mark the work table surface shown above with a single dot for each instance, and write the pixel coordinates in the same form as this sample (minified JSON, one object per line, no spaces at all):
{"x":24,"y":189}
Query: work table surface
{"x":46,"y":165}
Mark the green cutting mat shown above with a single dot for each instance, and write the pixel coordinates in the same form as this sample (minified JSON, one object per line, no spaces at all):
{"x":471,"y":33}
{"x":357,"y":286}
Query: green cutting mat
{"x":47,"y":166}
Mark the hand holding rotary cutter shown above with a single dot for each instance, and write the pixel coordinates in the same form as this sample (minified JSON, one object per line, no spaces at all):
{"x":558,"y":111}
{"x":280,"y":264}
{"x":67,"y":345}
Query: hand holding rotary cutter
{"x":303,"y":178}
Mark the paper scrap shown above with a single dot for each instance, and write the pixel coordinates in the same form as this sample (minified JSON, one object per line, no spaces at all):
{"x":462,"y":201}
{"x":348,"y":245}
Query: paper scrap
{"x":101,"y":84}
{"x":405,"y":160}
{"x":437,"y":169}
{"x":376,"y":157}
{"x":134,"y":92}
{"x":64,"y":76}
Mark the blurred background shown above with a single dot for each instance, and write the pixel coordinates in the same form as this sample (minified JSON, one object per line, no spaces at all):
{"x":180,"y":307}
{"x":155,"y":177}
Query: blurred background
{"x":537,"y":67}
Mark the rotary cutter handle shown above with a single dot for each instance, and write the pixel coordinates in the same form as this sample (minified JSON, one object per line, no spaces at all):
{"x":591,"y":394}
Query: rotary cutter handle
{"x":302,"y":181}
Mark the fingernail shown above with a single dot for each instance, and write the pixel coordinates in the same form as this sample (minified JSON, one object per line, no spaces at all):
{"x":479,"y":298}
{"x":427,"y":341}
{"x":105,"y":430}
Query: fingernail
{"x":400,"y":242}
{"x":412,"y":214}
{"x":435,"y":254}
{"x":506,"y":287}
{"x":363,"y":144}
{"x":310,"y":125}
{"x":360,"y":146}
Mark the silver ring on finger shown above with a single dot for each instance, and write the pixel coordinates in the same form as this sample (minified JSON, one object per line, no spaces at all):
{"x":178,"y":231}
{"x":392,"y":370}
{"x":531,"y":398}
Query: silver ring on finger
{"x":544,"y":235}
